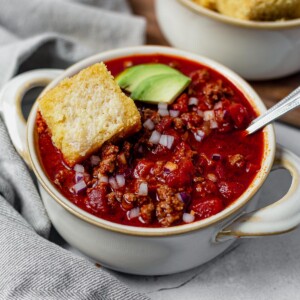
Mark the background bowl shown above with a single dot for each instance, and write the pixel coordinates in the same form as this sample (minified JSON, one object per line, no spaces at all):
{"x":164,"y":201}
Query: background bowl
{"x":255,"y":50}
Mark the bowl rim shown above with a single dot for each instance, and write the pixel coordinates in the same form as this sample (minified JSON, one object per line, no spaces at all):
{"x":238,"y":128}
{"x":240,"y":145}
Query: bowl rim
{"x":270,"y":25}
{"x":249,"y":93}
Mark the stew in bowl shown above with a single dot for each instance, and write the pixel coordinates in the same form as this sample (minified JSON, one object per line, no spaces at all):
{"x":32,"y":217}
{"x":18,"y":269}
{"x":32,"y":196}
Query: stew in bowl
{"x":190,"y":160}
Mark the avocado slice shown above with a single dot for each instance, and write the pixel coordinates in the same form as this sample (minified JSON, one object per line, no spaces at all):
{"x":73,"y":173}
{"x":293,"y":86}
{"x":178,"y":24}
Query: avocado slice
{"x":130,"y":78}
{"x":163,"y":88}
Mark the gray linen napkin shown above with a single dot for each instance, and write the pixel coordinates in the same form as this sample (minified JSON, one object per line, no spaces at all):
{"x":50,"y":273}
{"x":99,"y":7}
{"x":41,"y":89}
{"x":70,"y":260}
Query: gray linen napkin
{"x":50,"y":33}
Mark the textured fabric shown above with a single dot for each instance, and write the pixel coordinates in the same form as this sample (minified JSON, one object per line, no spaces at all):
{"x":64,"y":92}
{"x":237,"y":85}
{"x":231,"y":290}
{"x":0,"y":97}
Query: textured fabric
{"x":50,"y":33}
{"x":72,"y":30}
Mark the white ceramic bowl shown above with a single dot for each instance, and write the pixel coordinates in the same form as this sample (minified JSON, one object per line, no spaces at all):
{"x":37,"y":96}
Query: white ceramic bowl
{"x":152,"y":251}
{"x":255,"y":50}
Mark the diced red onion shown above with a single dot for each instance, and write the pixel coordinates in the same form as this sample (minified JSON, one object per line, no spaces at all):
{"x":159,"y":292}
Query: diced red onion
{"x":79,"y":168}
{"x":95,"y":160}
{"x":133,"y":213}
{"x":199,"y":135}
{"x":200,"y":113}
{"x":166,"y":140}
{"x":167,"y":171}
{"x":184,"y":197}
{"x":95,"y":184}
{"x":209,"y":115}
{"x":155,"y":137}
{"x":163,"y":112}
{"x":193,"y":101}
{"x":78,"y":177}
{"x":218,"y":105}
{"x":213,"y":124}
{"x":188,"y":218}
{"x":149,"y":124}
{"x":163,"y":106}
{"x":170,"y":141}
{"x":113,"y":183}
{"x":143,"y":189}
{"x":163,"y":140}
{"x":120,"y":180}
{"x":174,"y":113}
{"x":216,"y":156}
{"x":79,"y":186}
{"x":103,"y":179}
{"x":198,"y":138}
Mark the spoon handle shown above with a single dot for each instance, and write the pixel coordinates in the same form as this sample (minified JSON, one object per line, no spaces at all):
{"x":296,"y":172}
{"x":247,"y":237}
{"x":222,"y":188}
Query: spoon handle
{"x":288,"y":103}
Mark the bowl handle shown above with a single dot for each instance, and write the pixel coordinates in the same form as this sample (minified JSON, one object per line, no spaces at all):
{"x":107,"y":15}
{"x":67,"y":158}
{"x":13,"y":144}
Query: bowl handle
{"x":11,"y":97}
{"x":279,"y":217}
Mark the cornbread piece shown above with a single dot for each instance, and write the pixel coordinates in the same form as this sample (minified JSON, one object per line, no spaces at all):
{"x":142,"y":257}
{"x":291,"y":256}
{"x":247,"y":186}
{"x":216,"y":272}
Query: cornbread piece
{"x":258,"y":10}
{"x":211,"y":4}
{"x":86,"y":110}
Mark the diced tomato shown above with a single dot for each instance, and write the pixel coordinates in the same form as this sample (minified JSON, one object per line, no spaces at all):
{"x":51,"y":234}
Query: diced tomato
{"x":208,"y":208}
{"x":239,"y":115}
{"x":143,"y":168}
{"x":182,"y":176}
{"x":230,"y":190}
{"x":220,"y":170}
{"x":210,"y":187}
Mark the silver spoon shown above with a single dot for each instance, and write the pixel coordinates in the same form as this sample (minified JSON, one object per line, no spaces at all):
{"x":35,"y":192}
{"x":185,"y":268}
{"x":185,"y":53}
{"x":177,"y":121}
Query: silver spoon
{"x":288,"y":103}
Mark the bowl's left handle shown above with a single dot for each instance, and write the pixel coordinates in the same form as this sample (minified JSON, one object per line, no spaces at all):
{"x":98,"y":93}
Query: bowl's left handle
{"x":11,"y":97}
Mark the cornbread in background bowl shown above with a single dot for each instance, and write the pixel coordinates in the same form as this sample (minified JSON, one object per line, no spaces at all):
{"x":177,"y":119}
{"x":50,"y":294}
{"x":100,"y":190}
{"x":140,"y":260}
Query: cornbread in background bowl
{"x":257,"y":50}
{"x":255,"y":10}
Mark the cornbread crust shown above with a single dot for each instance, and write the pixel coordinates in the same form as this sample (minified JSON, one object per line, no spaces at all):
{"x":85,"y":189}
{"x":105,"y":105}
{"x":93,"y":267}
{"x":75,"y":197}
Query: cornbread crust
{"x":85,"y":111}
{"x":259,"y":10}
{"x":211,"y":4}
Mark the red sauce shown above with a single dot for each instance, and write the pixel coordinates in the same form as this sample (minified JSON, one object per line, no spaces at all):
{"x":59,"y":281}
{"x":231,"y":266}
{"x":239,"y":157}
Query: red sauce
{"x":210,"y":162}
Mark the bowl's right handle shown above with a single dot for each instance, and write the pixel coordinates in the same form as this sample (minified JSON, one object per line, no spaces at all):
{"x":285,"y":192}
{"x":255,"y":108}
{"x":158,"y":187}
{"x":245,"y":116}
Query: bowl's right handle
{"x":279,"y":217}
{"x":11,"y":97}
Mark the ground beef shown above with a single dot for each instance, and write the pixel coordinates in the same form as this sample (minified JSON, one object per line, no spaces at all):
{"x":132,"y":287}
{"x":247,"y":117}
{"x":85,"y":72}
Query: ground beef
{"x":61,"y":176}
{"x":108,"y":159}
{"x":236,"y":160}
{"x":114,"y":199}
{"x":147,"y":212}
{"x":214,"y":91}
{"x":192,"y":119}
{"x":170,"y":207}
{"x":178,"y":123}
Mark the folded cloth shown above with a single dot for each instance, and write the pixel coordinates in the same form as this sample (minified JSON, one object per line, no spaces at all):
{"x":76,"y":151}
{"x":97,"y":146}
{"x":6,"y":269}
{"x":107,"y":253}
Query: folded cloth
{"x":50,"y":33}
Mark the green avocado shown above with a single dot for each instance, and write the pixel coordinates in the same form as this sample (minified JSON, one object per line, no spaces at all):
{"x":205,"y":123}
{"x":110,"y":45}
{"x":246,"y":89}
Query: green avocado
{"x":130,"y":78}
{"x":163,"y":88}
